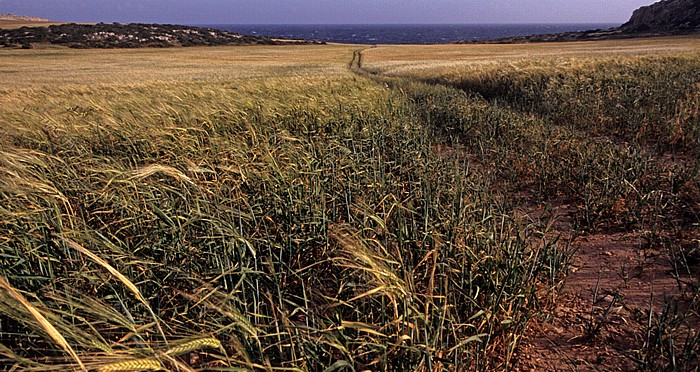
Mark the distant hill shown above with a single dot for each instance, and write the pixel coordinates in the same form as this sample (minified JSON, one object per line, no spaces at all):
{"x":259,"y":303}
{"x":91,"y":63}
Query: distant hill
{"x":19,"y":18}
{"x":116,"y":35}
{"x":665,"y":18}
{"x":8,"y":21}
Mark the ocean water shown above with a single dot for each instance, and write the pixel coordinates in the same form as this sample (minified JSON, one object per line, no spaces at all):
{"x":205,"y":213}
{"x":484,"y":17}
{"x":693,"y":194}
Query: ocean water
{"x":403,"y":34}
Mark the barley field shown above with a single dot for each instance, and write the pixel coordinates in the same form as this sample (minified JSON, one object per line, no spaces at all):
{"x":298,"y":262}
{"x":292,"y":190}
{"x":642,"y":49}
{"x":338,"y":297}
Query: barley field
{"x":279,"y":208}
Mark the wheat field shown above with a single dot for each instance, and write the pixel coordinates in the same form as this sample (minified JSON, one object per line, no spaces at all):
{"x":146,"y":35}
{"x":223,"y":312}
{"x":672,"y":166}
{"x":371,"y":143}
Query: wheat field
{"x":273,"y":208}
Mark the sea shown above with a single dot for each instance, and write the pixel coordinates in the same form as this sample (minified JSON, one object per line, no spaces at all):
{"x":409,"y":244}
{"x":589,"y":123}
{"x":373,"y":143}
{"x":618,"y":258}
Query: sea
{"x":404,"y":34}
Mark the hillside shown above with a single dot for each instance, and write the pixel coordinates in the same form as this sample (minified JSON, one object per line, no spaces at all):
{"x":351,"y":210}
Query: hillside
{"x":667,"y":15}
{"x":19,"y":18}
{"x":665,"y":18}
{"x":117,"y":35}
{"x":11,"y":21}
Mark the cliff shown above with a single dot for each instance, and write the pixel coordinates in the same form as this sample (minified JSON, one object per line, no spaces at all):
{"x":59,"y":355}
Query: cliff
{"x":665,"y":18}
{"x":667,"y":15}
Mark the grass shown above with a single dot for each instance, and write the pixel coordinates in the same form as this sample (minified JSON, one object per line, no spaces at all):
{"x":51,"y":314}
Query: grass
{"x":265,"y":208}
{"x":61,"y":67}
{"x":429,"y":60}
{"x":616,"y":136}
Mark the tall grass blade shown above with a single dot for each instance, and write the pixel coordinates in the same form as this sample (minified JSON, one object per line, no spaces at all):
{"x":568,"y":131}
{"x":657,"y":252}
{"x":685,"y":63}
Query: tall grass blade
{"x":43,"y":322}
{"x":119,"y":276}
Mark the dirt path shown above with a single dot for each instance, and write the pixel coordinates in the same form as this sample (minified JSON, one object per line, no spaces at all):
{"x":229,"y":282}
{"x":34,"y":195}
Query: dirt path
{"x":599,"y":323}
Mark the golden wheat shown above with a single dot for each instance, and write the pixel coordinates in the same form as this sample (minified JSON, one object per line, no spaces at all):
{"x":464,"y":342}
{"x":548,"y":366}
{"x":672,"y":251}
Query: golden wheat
{"x":203,"y":343}
{"x":146,"y":364}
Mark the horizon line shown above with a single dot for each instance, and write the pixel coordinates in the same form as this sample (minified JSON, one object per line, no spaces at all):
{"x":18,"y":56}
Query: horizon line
{"x":407,"y":24}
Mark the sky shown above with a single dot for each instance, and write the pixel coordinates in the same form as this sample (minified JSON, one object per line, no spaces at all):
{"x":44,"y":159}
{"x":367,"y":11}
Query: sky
{"x":327,"y":11}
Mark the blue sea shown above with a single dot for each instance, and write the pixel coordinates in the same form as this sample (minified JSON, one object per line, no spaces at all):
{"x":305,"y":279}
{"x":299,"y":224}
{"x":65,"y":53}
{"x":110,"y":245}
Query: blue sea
{"x":404,"y":34}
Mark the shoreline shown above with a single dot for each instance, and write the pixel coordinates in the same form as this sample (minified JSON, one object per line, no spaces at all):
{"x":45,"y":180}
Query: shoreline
{"x":589,"y":35}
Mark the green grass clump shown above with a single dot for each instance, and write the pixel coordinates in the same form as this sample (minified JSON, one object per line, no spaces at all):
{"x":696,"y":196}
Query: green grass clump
{"x":592,"y":132}
{"x":646,"y":100}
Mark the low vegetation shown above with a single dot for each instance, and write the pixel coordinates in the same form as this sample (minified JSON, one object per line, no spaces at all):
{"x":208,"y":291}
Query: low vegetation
{"x":311,"y":218}
{"x":117,"y":35}
{"x":642,"y":109}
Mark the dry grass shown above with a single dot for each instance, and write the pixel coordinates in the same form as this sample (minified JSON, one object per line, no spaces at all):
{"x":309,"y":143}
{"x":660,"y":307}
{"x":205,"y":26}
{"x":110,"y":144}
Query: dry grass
{"x":417,"y":60}
{"x":12,"y":24}
{"x":62,"y":67}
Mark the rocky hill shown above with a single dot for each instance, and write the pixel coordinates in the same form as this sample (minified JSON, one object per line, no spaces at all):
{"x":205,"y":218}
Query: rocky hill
{"x":667,"y":15}
{"x":117,"y":35}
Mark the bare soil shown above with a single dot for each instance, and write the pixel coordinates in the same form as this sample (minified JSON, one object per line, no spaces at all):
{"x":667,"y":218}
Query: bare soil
{"x":599,"y":321}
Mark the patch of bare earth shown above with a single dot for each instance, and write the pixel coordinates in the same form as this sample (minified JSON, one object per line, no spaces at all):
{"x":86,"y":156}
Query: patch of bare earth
{"x":599,"y":320}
